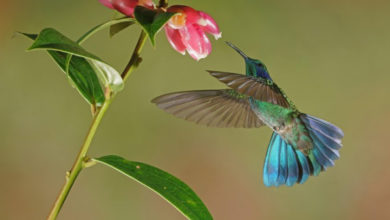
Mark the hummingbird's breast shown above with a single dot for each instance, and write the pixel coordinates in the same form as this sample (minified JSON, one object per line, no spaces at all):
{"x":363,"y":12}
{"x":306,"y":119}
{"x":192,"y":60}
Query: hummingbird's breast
{"x":274,"y":116}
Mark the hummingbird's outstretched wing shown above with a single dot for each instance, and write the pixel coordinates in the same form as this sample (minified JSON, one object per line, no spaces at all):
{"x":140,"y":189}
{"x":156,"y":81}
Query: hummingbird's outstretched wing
{"x":216,"y":108}
{"x":258,"y":88}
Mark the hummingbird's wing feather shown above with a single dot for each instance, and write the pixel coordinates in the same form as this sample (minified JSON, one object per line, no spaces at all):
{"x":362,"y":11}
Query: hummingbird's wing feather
{"x":258,"y":88}
{"x":215,"y":108}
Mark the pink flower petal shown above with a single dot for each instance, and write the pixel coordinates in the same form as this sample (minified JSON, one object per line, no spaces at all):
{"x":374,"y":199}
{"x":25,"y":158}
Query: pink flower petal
{"x":175,"y":40}
{"x":106,"y":3}
{"x":125,"y":6}
{"x":209,"y":25}
{"x":186,"y":31}
{"x":192,"y":15}
{"x":195,"y":41}
{"x":146,"y":3}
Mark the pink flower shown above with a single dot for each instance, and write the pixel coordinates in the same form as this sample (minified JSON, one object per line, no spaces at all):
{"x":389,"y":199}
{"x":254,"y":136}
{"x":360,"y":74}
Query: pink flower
{"x":186,"y":31}
{"x":126,"y":6}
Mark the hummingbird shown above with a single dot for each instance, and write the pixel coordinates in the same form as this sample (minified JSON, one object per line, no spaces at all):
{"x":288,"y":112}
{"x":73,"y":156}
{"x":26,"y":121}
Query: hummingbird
{"x":301,"y":145}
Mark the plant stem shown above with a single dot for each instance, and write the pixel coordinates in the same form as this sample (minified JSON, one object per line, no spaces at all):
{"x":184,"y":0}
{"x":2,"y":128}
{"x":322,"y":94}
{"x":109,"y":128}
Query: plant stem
{"x":81,"y":157}
{"x":78,"y":164}
{"x":135,"y":58}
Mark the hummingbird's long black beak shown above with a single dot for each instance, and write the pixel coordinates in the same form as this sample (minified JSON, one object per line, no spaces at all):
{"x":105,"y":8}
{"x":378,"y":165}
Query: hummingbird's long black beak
{"x":236,"y":49}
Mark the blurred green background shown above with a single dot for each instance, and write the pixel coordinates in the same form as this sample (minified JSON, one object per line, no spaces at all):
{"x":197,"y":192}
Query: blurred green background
{"x":331,"y":57}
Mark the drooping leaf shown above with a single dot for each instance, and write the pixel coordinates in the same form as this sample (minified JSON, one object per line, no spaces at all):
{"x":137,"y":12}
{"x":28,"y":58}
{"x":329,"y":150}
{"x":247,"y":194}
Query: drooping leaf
{"x":151,"y":20}
{"x":81,"y":74}
{"x":51,"y":39}
{"x":176,"y":192}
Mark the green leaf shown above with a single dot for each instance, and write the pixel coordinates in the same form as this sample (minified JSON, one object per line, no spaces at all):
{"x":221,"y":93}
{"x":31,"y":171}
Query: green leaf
{"x":167,"y":186}
{"x":151,"y":20}
{"x":51,"y":39}
{"x":116,"y":28}
{"x":81,"y":74}
{"x":121,"y":22}
{"x":31,"y":36}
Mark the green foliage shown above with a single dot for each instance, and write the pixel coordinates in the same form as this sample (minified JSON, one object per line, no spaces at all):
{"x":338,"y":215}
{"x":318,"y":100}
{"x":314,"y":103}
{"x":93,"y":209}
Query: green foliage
{"x":151,"y":21}
{"x":81,"y":74}
{"x":167,"y":186}
{"x":116,"y":25}
{"x":51,"y":39}
{"x":116,"y":28}
{"x":90,"y":76}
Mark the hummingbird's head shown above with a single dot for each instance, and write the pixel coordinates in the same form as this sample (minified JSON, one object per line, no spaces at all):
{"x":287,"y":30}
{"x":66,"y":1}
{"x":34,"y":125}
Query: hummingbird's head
{"x":254,"y":67}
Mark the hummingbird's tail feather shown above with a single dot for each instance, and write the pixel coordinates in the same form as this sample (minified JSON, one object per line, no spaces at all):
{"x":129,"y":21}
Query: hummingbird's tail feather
{"x":284,"y":164}
{"x":326,"y":142}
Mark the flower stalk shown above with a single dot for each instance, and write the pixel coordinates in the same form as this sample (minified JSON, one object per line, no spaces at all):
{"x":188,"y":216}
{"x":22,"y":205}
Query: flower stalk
{"x":135,"y":59}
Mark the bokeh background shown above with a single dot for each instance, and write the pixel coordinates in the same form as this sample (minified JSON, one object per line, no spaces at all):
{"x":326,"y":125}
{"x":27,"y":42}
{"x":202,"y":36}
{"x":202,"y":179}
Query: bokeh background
{"x":331,"y":57}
